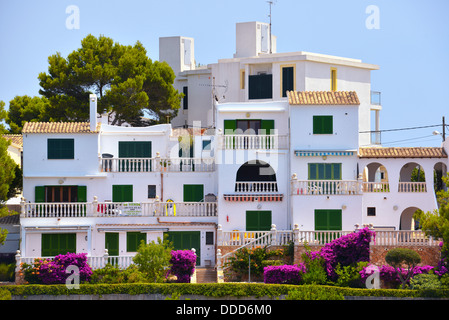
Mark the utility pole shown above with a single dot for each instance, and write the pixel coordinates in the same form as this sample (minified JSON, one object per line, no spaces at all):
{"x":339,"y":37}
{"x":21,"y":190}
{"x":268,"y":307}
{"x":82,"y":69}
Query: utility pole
{"x":270,"y":3}
{"x":444,"y":130}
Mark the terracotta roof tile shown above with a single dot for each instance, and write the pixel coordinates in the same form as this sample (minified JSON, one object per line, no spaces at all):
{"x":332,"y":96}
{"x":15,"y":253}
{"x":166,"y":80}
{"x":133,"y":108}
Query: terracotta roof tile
{"x":16,"y":139}
{"x":323,"y":98}
{"x":402,"y":152}
{"x":58,"y":127}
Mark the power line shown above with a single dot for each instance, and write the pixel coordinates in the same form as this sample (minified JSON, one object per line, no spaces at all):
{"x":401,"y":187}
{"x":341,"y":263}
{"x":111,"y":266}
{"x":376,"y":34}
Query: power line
{"x":401,"y":129}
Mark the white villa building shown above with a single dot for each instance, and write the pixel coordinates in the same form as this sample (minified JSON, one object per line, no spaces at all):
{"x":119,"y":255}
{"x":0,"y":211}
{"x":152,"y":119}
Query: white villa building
{"x":263,"y":141}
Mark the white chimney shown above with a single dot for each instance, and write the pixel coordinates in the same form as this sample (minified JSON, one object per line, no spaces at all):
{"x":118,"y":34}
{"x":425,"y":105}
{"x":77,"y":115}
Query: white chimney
{"x":93,"y":112}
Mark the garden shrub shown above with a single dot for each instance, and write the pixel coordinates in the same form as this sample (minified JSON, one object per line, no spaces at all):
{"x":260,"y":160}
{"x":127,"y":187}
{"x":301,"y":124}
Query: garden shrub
{"x":183,"y":264}
{"x":399,"y":256}
{"x":425,"y":281}
{"x":314,"y":293}
{"x":7,"y":271}
{"x":111,"y":274}
{"x":153,"y":259}
{"x":389,"y":275}
{"x":349,"y":276}
{"x":53,"y":271}
{"x":5,"y":294}
{"x":285,"y":274}
{"x":313,"y":268}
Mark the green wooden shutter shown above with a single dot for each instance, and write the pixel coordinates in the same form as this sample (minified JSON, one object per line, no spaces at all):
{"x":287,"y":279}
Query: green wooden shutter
{"x":112,"y":243}
{"x":323,"y":125}
{"x":82,"y":194}
{"x":186,"y":240}
{"x":258,"y":220}
{"x":60,"y":148}
{"x":134,"y":239}
{"x":267,"y":126}
{"x":122,"y":193}
{"x":230,"y":126}
{"x":134,"y":149}
{"x":39,"y":194}
{"x":193,"y":193}
{"x":287,"y":80}
{"x":54,"y":244}
{"x":328,"y":220}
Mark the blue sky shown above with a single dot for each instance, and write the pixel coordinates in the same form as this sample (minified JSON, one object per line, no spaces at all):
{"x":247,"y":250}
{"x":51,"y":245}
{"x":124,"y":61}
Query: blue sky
{"x":411,"y":45}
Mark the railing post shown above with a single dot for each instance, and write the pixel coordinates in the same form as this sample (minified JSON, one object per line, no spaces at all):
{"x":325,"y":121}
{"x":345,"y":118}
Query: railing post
{"x":273,"y":235}
{"x":296,"y":234}
{"x":105,"y":257}
{"x":22,"y":207}
{"x":219,"y":235}
{"x":219,"y":259}
{"x":93,"y":207}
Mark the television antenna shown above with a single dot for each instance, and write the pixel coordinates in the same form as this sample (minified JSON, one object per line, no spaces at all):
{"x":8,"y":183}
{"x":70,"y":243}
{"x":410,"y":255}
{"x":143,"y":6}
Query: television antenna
{"x":271,"y":3}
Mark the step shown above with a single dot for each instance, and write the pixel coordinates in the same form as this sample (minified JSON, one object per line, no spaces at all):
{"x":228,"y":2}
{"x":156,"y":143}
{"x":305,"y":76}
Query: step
{"x":206,"y":275}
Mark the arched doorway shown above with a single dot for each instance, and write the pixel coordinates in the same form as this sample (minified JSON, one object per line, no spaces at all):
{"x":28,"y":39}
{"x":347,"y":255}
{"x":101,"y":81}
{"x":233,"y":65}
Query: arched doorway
{"x":439,"y":170}
{"x":406,"y":221}
{"x":375,"y":178}
{"x":256,"y":176}
{"x":412,"y":178}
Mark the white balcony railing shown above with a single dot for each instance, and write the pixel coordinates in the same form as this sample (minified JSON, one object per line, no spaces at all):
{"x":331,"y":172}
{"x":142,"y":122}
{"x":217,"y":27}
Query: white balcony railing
{"x":157,"y":164}
{"x":256,"y":186}
{"x":118,"y":209}
{"x":250,"y":142}
{"x":376,"y":187}
{"x":413,"y":187}
{"x":325,"y":187}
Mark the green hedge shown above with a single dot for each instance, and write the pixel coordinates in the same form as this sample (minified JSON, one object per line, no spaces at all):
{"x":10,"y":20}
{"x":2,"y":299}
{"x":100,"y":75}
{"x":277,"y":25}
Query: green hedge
{"x":210,"y":290}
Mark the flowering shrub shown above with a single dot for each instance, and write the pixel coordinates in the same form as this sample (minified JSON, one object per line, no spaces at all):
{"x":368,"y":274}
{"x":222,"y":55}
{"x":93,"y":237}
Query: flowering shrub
{"x":344,"y":251}
{"x":53,"y":271}
{"x":286,"y":274}
{"x":389,"y":275}
{"x":183,"y":264}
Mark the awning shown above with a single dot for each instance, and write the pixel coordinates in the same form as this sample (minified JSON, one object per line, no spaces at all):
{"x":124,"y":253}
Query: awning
{"x":311,"y":153}
{"x":253,"y":197}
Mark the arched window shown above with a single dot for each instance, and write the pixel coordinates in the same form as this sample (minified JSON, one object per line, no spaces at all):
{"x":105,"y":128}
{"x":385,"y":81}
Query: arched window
{"x":256,"y":176}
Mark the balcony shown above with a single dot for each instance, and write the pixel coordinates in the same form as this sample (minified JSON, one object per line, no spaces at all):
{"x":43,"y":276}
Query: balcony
{"x":118,"y":209}
{"x":325,"y":187}
{"x":253,"y":142}
{"x":142,"y":165}
{"x":376,"y":187}
{"x":413,"y":187}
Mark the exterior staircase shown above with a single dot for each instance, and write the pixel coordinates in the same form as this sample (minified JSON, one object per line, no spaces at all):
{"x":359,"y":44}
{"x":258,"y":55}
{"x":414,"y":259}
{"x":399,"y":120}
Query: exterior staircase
{"x":206,"y":275}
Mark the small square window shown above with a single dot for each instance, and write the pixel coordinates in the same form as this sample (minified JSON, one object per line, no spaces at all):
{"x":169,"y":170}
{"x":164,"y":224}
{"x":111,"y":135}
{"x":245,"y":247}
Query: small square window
{"x":151,"y":191}
{"x":206,"y":144}
{"x":209,"y":238}
{"x":371,"y":211}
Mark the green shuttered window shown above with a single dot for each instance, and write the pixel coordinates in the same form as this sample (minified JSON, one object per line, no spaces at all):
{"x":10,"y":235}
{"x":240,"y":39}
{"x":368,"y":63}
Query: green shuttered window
{"x":193,"y":193}
{"x":324,"y":171}
{"x":186,"y":240}
{"x":54,"y":244}
{"x":328,"y":220}
{"x":260,"y":86}
{"x":60,"y":148}
{"x":134,"y":239}
{"x":122,"y":193}
{"x":112,"y":243}
{"x":287,"y":80}
{"x":134,"y":149}
{"x":258,"y":220}
{"x":323,"y":125}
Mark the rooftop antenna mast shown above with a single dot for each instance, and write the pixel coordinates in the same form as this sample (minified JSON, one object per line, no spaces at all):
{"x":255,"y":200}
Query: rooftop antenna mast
{"x":270,"y":3}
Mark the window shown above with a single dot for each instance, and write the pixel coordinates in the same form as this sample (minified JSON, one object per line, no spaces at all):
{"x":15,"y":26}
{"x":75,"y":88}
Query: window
{"x":371,"y":211}
{"x":324,"y":171}
{"x":209,"y":238}
{"x":288,"y":80}
{"x":258,"y":220}
{"x":60,"y":194}
{"x":323,"y":125}
{"x":54,"y":244}
{"x":111,"y":242}
{"x":249,"y":126}
{"x":193,"y":193}
{"x":328,"y":220}
{"x":134,"y":239}
{"x":122,"y":193}
{"x":185,"y":100}
{"x":61,"y":149}
{"x":333,"y":79}
{"x":260,"y":86}
{"x":186,"y":240}
{"x":134,"y":149}
{"x":206,"y":144}
{"x":152,"y":191}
